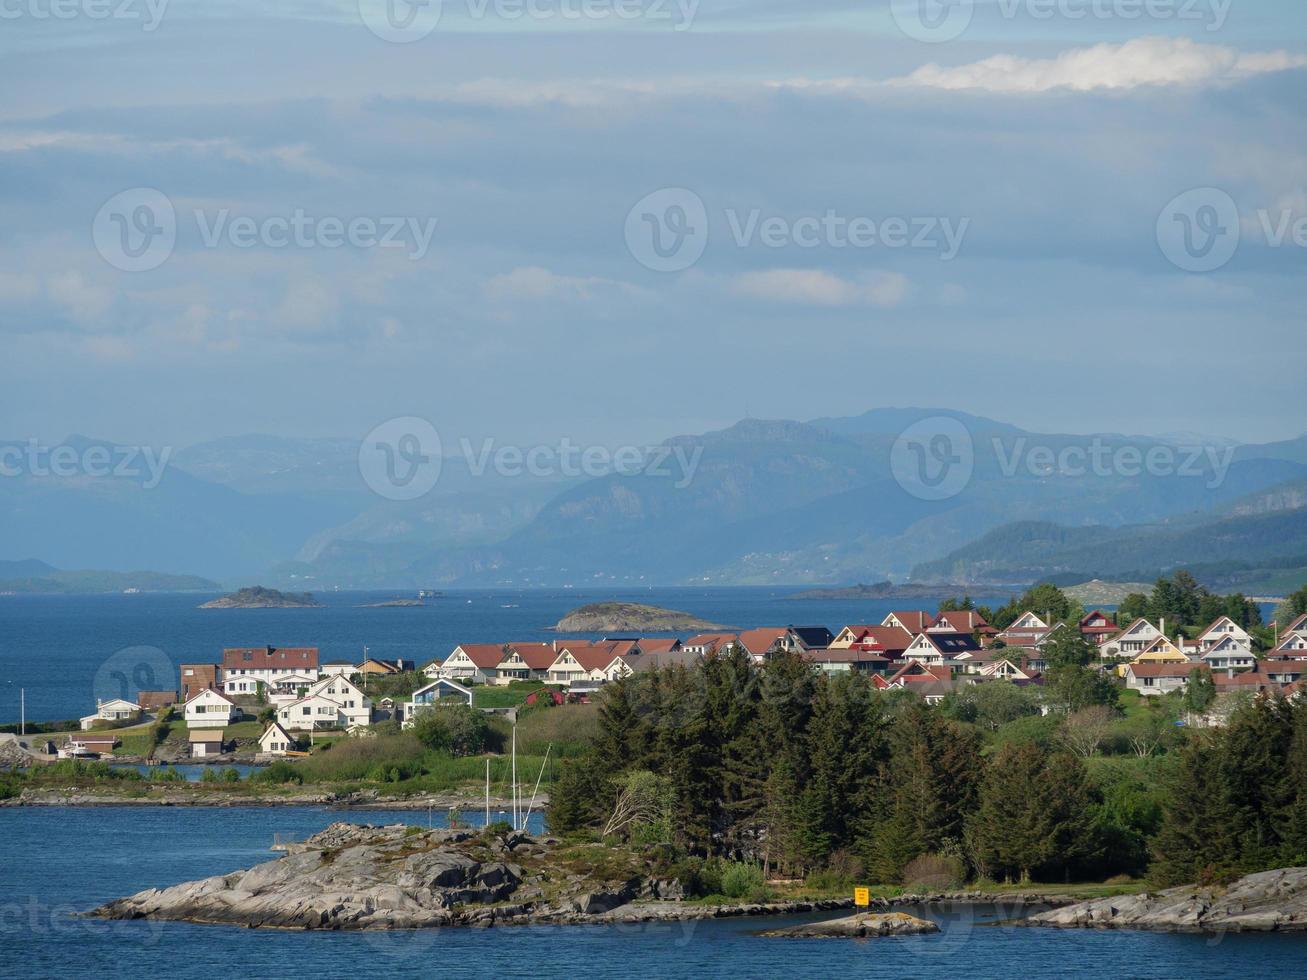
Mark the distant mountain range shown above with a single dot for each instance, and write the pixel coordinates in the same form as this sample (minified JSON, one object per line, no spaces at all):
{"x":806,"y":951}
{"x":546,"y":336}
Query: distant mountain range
{"x":769,"y":502}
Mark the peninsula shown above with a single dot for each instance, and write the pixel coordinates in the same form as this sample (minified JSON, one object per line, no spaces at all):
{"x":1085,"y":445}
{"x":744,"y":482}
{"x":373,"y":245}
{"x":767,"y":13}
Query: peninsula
{"x":257,"y":597}
{"x":629,"y":617}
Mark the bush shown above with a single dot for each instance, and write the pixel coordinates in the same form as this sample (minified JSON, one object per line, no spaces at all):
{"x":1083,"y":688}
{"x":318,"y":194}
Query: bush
{"x":279,"y":772}
{"x":934,"y":872}
{"x":166,"y":774}
{"x":741,"y":879}
{"x":456,"y":729}
{"x":231,"y":775}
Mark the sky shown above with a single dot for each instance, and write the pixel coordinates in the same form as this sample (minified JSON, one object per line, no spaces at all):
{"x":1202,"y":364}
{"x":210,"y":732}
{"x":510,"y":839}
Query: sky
{"x":626,"y":219}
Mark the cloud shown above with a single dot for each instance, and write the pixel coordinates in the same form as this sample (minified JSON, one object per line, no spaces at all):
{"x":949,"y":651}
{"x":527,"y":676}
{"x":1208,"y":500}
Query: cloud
{"x":1139,"y":62}
{"x":535,"y":283}
{"x":813,"y":287}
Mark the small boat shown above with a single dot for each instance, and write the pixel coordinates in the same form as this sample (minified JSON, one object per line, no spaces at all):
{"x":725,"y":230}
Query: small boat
{"x":76,"y":751}
{"x":428,"y":593}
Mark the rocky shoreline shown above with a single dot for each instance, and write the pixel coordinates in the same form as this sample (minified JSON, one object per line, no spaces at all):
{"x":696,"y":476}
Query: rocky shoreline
{"x":199,"y":794}
{"x":1270,"y":901}
{"x":350,"y":877}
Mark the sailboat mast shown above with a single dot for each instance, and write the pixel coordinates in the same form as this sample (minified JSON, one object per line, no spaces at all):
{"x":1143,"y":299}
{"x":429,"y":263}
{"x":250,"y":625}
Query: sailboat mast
{"x":487,"y":791}
{"x":515,"y":827}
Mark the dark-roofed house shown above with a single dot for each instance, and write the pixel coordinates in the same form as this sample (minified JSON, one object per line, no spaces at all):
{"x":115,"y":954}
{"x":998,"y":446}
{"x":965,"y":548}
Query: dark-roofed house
{"x":939,"y":649}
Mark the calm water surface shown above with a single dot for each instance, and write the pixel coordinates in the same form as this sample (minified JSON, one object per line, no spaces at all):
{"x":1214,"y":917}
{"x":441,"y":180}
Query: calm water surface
{"x":68,"y":650}
{"x":55,"y":862}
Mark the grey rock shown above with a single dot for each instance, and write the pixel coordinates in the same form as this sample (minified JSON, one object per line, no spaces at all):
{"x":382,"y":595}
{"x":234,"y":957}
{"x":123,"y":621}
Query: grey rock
{"x":1270,"y":901}
{"x":860,"y":926}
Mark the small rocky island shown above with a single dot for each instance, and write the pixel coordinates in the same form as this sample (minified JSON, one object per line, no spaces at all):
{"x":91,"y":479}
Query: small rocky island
{"x":393,"y":604}
{"x":1270,"y":901}
{"x":863,"y":925}
{"x":257,"y":597}
{"x":629,"y":617}
{"x":362,"y":877}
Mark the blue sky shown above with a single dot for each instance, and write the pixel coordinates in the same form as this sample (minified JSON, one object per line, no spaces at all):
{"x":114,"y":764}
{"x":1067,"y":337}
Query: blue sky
{"x":1051,"y":146}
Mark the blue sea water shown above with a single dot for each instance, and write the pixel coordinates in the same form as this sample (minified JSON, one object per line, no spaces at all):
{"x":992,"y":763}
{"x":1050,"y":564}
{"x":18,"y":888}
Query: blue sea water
{"x":56,"y":862}
{"x":65,"y":651}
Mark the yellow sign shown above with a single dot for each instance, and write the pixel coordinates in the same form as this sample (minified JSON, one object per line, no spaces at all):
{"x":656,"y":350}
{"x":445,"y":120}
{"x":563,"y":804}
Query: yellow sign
{"x":862,"y":896}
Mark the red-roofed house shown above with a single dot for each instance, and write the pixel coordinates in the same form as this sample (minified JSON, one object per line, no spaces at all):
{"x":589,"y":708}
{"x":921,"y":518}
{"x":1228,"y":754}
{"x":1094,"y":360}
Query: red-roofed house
{"x":1159,"y":678}
{"x":525,"y":661}
{"x":244,"y":668}
{"x":476,"y":663}
{"x":963,"y":621}
{"x":913,"y":620}
{"x":1096,"y":626}
{"x":706,"y":643}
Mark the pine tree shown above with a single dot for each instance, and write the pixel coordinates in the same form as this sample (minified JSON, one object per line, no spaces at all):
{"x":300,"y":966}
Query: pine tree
{"x":1196,"y":838}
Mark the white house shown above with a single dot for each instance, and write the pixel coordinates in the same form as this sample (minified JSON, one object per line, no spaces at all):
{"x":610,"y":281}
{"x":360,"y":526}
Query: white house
{"x":115,"y":710}
{"x":338,"y":668}
{"x":276,"y":740}
{"x":316,"y":711}
{"x":249,"y":665}
{"x":435,"y":693}
{"x":941,"y":649}
{"x":289,"y":687}
{"x":356,"y":705}
{"x":470,"y":662}
{"x":1131,"y":641}
{"x":210,"y":709}
{"x":1222,"y":631}
{"x":207,"y":741}
{"x":1228,"y":652}
{"x":1157,"y":678}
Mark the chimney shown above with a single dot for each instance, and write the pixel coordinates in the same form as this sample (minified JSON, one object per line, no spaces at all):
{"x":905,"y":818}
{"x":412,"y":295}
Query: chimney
{"x":1162,"y":627}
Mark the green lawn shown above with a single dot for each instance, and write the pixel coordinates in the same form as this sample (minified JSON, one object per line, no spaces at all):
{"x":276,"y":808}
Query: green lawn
{"x":512,"y":696}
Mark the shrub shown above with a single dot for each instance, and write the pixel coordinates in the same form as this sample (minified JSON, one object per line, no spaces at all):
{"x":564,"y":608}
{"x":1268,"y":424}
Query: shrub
{"x":456,"y":729}
{"x":231,"y":776}
{"x":209,"y":775}
{"x":279,"y":772}
{"x":741,"y":879}
{"x":934,"y":872}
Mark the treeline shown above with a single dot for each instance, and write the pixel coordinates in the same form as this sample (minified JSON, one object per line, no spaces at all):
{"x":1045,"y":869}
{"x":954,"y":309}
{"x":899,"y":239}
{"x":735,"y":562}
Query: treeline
{"x":1182,"y":602}
{"x":798,"y":771}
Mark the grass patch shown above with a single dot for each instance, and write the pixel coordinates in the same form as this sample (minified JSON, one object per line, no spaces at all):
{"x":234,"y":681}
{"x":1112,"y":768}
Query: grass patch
{"x":513,"y":695}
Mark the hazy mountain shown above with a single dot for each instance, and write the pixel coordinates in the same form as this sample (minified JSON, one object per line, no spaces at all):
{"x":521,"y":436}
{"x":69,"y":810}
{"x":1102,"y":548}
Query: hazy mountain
{"x":760,"y":501}
{"x":1244,"y":540}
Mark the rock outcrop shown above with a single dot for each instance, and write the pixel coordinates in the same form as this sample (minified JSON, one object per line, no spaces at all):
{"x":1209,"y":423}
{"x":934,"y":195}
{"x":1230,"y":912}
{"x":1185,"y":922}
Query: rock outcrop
{"x":629,"y":618}
{"x":360,"y":877}
{"x":861,"y":926}
{"x":1271,"y":901}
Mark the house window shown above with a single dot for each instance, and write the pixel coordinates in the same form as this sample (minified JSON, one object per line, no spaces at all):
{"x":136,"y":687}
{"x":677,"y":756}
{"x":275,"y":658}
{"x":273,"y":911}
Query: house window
{"x":308,"y":711}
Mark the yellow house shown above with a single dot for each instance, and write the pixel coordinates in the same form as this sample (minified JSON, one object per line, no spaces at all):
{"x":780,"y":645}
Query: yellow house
{"x":1161,"y":650}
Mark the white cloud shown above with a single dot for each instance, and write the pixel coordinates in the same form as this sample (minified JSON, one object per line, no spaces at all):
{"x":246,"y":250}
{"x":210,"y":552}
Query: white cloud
{"x":535,"y":283}
{"x":1142,"y":61}
{"x":813,"y":287}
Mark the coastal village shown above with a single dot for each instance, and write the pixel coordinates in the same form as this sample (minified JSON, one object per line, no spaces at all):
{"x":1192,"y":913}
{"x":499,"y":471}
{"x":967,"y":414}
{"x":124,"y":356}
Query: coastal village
{"x":299,"y":697}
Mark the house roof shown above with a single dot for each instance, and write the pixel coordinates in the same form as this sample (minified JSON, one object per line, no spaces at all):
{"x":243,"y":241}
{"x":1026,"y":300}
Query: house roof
{"x":537,"y":656}
{"x":915,"y":672}
{"x":646,"y":660}
{"x":1085,"y":627}
{"x":659,"y":644}
{"x":214,"y":692}
{"x":269,"y":658}
{"x":913,"y":620}
{"x":813,"y":637}
{"x":598,"y":656}
{"x":1165,"y":670}
{"x":1299,"y":625}
{"x":891,"y":639}
{"x":711,"y":641}
{"x":964,"y":621}
{"x":208,"y":734}
{"x":485,"y":656}
{"x":759,"y":641}
{"x":951,"y":644}
{"x":275,"y":727}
